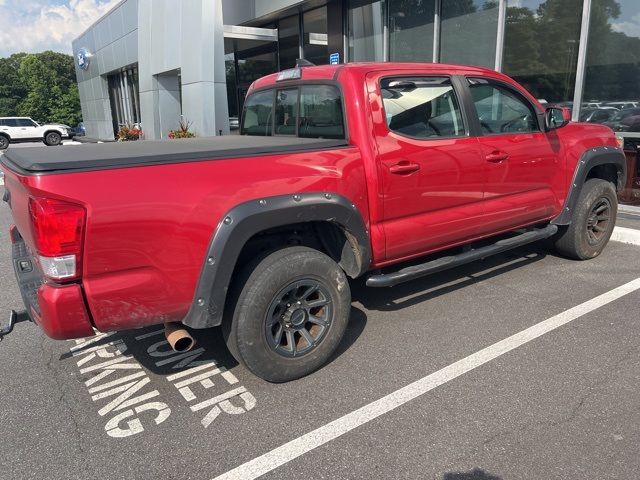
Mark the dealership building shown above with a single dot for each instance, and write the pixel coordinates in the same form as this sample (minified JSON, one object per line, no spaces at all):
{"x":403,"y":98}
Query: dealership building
{"x":155,"y":62}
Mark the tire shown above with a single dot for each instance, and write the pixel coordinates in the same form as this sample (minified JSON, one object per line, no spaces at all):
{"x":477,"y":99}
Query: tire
{"x":4,"y":142}
{"x":592,"y":221}
{"x":277,"y":297}
{"x":52,"y":139}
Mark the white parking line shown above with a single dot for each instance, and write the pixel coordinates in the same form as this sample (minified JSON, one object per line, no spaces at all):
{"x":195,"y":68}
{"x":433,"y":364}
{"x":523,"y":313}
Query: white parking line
{"x":318,"y":437}
{"x":626,"y":235}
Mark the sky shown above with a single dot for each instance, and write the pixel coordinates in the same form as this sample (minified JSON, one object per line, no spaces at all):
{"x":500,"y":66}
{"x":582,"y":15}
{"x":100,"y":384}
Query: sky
{"x":38,"y":25}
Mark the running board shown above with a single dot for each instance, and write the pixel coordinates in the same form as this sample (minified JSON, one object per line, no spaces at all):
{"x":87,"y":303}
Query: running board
{"x":445,"y":263}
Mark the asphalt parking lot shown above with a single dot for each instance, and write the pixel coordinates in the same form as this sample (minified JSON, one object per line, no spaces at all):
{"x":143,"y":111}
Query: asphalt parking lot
{"x":407,"y":395}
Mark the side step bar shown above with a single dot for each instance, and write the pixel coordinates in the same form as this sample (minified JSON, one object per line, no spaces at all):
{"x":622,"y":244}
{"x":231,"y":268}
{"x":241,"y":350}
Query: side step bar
{"x":445,"y":263}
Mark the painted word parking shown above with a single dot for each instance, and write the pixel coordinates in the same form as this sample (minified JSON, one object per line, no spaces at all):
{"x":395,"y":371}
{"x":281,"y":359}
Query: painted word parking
{"x":123,"y":391}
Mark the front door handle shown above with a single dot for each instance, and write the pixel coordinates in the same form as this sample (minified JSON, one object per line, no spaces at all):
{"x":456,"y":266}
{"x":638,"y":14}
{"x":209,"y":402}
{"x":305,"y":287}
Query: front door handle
{"x":497,"y":156}
{"x":404,"y":168}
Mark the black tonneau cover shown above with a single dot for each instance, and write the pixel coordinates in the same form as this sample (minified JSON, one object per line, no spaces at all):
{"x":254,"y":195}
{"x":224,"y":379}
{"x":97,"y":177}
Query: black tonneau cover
{"x":133,"y":154}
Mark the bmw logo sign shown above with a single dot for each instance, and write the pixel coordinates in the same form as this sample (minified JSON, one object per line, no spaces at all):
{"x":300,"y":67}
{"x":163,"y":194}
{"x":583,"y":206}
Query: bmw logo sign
{"x":83,"y":58}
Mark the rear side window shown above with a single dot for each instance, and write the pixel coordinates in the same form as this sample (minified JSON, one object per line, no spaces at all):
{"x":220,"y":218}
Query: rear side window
{"x":320,"y":112}
{"x":422,"y":107}
{"x":257,"y":116}
{"x":501,"y":109}
{"x":307,"y":111}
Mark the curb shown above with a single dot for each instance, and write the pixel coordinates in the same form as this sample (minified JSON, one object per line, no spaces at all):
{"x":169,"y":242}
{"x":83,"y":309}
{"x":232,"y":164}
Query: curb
{"x":626,"y":235}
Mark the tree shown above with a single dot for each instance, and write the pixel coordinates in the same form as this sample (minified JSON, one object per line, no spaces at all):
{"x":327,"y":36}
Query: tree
{"x":42,"y":86}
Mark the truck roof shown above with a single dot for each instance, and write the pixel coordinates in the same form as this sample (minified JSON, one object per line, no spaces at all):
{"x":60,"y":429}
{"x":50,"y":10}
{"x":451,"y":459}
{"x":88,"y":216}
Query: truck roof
{"x":330,"y":72}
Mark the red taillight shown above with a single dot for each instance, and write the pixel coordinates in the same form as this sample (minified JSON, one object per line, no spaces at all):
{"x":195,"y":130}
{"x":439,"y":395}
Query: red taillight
{"x":58,"y":231}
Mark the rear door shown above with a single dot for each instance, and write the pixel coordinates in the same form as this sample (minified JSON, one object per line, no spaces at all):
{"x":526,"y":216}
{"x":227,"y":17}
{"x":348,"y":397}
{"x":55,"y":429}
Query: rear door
{"x":430,"y":168}
{"x":522,"y":161}
{"x":26,"y":129}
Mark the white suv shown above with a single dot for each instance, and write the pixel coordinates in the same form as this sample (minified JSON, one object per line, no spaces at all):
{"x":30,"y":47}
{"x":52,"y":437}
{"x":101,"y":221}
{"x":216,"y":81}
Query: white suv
{"x":23,"y":129}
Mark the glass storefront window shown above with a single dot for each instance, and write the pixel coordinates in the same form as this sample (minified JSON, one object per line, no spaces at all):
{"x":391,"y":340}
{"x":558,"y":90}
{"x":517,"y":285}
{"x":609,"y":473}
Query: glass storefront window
{"x":411,"y":30}
{"x":613,"y":79}
{"x":541,"y":47}
{"x":124,"y":98}
{"x":366,"y":30}
{"x":468,"y":32}
{"x":314,"y":24}
{"x":289,"y":41}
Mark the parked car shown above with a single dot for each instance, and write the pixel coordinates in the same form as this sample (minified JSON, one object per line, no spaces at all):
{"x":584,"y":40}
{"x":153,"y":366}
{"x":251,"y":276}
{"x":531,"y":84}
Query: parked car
{"x":597,"y":115}
{"x":79,"y":130}
{"x":621,"y":105}
{"x":617,"y":119}
{"x":339,"y":171}
{"x":23,"y":129}
{"x":234,"y":123}
{"x":629,"y":124}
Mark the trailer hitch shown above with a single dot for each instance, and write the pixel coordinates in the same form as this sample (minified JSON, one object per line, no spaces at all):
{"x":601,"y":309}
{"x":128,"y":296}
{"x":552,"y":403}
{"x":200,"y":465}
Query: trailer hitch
{"x":14,"y":317}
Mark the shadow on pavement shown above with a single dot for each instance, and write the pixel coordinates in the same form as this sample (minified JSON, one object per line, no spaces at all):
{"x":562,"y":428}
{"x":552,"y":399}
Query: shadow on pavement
{"x":475,"y":474}
{"x":394,"y":298}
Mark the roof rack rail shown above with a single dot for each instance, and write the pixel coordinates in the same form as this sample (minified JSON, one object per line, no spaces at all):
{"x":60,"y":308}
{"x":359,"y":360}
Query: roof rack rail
{"x":301,"y":62}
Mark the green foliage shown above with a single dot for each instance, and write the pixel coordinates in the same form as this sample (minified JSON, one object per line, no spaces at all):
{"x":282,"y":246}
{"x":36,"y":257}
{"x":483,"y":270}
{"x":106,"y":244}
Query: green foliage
{"x":41,"y":86}
{"x":541,"y":51}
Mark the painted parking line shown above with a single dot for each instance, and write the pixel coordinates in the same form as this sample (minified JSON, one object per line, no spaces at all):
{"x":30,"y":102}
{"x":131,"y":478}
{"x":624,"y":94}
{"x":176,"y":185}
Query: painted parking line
{"x":626,"y":235}
{"x":320,"y":436}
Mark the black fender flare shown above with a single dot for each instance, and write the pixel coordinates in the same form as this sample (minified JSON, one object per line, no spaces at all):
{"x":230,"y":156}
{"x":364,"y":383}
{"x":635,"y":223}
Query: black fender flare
{"x":593,"y":157}
{"x":247,"y":219}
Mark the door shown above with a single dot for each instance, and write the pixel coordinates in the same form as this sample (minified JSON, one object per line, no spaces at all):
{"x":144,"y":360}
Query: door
{"x":26,"y":129}
{"x":431,"y":171}
{"x":521,"y":160}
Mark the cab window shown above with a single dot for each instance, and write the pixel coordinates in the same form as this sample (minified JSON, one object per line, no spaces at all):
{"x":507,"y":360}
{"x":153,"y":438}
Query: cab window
{"x":320,"y":112}
{"x":422,"y":107}
{"x":257,"y":116}
{"x":502,"y":109}
{"x":306,"y":111}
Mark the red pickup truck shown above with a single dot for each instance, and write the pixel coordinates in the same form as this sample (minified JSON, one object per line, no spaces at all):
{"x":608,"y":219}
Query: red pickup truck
{"x":338,"y":171}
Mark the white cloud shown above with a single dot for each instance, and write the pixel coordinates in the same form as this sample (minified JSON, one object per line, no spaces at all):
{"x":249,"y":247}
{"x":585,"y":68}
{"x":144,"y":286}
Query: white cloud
{"x":630,"y":27}
{"x":39,"y":25}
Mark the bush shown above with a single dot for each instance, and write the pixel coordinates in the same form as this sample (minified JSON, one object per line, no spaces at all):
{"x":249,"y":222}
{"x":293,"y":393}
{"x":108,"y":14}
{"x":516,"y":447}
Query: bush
{"x":183,"y":131}
{"x":127,"y":133}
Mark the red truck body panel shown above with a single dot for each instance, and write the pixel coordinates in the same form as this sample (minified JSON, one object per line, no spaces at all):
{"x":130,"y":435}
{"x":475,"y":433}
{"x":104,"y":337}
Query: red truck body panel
{"x":148,"y":227}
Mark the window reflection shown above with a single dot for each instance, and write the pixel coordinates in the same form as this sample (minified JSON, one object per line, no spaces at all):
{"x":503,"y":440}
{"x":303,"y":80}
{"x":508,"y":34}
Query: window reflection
{"x":366,"y":31}
{"x":411,"y":30}
{"x":541,"y":47}
{"x":469,"y":31}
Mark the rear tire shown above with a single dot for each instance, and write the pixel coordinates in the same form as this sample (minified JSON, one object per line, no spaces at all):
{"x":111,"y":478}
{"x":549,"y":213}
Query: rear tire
{"x":4,"y":142}
{"x":592,"y":221}
{"x":291,"y":312}
{"x":52,"y":139}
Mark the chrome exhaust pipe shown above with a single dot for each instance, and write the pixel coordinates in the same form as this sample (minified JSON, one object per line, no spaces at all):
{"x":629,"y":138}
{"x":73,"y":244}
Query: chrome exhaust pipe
{"x":178,"y":337}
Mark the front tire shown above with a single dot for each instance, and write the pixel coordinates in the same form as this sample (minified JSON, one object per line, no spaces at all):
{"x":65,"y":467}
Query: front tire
{"x":52,"y":139}
{"x":291,"y":313}
{"x":592,"y":221}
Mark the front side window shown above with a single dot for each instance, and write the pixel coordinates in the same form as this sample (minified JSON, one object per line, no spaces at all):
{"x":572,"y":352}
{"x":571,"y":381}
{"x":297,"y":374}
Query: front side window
{"x":422,"y":107}
{"x":25,"y":122}
{"x":308,"y":111}
{"x":257,"y":117}
{"x":501,"y":109}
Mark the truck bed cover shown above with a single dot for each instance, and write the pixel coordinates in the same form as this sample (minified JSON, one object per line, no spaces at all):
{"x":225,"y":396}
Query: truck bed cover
{"x":72,"y":158}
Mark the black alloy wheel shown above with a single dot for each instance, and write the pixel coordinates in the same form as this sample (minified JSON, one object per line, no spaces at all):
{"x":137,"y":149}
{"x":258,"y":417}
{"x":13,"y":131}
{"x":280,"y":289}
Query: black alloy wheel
{"x":298,"y":318}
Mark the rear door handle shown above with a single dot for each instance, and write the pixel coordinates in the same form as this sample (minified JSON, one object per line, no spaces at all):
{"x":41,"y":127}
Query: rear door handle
{"x":497,"y":156}
{"x":404,"y":167}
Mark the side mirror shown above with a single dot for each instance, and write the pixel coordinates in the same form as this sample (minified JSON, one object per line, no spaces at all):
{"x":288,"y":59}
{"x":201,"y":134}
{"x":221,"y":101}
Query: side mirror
{"x":556,"y":117}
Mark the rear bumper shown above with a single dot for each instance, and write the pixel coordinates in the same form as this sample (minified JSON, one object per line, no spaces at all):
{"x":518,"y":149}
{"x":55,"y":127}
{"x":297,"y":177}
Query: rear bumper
{"x":58,"y":309}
